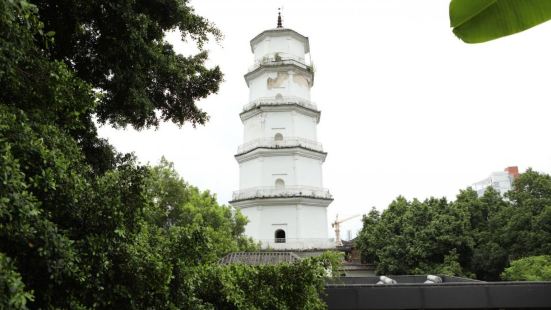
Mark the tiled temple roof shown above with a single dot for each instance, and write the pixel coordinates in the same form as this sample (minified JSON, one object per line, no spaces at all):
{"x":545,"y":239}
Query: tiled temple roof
{"x":259,"y":258}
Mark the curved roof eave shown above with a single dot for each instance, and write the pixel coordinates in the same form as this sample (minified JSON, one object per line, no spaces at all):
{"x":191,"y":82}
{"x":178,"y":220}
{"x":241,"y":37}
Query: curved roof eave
{"x":279,"y":31}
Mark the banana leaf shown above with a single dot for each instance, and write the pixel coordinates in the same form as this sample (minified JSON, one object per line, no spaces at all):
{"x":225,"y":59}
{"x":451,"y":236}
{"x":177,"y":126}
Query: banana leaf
{"x":476,"y":21}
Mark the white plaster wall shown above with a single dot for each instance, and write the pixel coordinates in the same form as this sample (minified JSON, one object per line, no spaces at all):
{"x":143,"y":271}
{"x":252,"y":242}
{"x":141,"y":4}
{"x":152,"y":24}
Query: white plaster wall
{"x":253,"y":128}
{"x":258,"y":87}
{"x":250,"y":173}
{"x":293,"y":170}
{"x":253,"y":214}
{"x":278,"y":122}
{"x":264,"y":171}
{"x":298,"y":221}
{"x":280,"y":217}
{"x":261,"y":49}
{"x":305,"y":126}
{"x":278,"y":167}
{"x":312,"y":222}
{"x":289,"y":124}
{"x":302,"y":224}
{"x":308,"y":171}
{"x":284,"y":45}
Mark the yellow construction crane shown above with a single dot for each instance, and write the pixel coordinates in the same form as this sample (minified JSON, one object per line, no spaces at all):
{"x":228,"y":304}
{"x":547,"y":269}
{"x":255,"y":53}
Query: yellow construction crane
{"x":336,"y":224}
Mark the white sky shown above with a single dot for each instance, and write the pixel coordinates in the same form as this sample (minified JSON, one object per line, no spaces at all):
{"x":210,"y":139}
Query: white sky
{"x":407,"y":108}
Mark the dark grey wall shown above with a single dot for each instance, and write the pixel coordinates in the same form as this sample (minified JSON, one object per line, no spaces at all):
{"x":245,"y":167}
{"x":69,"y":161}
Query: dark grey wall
{"x":451,"y":295}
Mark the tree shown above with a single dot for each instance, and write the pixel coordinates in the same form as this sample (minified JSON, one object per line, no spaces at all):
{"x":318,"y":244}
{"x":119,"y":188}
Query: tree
{"x":12,"y":289}
{"x":104,"y":59}
{"x":178,"y":204}
{"x":74,"y":225}
{"x":484,"y":20}
{"x":416,"y":237}
{"x":118,"y":47}
{"x":528,"y":226}
{"x":484,"y":256}
{"x":471,"y":236}
{"x":83,"y":226}
{"x":365,"y":240}
{"x":284,"y":286}
{"x":533,"y":268}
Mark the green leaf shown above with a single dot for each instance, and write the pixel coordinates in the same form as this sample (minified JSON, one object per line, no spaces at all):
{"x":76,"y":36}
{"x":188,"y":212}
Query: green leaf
{"x":463,"y":11}
{"x":477,"y":21}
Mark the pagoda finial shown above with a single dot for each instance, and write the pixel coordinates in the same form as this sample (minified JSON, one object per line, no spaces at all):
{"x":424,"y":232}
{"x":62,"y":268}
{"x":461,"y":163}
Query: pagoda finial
{"x":279,"y":23}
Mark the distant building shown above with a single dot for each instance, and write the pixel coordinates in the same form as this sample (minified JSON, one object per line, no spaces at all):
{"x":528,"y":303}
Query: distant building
{"x":501,"y":181}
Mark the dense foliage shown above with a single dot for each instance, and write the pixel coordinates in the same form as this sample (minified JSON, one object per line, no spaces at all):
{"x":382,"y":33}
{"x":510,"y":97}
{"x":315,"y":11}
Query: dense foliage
{"x":284,"y":286}
{"x":84,"y":227}
{"x":471,"y":236}
{"x":13,"y":295}
{"x":533,"y":268}
{"x":118,"y":47}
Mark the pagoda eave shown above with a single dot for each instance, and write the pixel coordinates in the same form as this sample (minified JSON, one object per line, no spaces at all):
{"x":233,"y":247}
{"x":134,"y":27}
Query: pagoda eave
{"x":275,"y":32}
{"x":282,"y":65}
{"x":280,"y":107}
{"x":282,"y":201}
{"x":282,"y":151}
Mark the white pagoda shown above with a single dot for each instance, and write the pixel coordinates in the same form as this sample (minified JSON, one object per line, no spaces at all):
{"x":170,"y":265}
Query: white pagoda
{"x":280,"y":160}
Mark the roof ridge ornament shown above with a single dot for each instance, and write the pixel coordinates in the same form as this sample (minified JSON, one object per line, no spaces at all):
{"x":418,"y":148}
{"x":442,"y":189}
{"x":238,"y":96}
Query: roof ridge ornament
{"x":279,"y":23}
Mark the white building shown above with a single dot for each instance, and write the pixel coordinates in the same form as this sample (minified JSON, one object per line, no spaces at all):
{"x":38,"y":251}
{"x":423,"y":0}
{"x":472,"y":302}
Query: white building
{"x":501,"y":181}
{"x":280,"y":160}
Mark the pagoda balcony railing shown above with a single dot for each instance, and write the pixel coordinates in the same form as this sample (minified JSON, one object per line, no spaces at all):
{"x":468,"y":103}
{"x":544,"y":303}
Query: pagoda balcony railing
{"x":285,"y":143}
{"x":283,"y":192}
{"x":297,"y":243}
{"x":280,"y":60}
{"x":279,"y":101}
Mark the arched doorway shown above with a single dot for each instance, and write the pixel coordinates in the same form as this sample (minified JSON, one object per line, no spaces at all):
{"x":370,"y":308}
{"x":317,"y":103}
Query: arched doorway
{"x":278,"y":137}
{"x":280,"y":236}
{"x":279,"y":184}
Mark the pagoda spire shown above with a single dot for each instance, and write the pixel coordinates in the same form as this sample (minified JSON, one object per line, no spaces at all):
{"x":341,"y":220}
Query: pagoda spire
{"x":279,"y":23}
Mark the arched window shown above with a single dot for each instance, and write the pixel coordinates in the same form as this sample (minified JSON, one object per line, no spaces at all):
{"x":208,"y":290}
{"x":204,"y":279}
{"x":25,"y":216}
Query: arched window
{"x":278,"y":137}
{"x":279,"y":184}
{"x":280,"y":236}
{"x":279,"y":97}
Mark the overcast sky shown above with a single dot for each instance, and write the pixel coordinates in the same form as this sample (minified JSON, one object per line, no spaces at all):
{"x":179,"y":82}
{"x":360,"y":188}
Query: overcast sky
{"x":407,"y":108}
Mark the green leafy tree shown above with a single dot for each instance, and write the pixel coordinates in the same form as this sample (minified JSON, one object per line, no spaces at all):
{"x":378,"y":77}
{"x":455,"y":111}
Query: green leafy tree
{"x":283,"y":286}
{"x":84,"y":227}
{"x":472,"y":236}
{"x":365,"y":240}
{"x":178,"y":204}
{"x":32,"y":214}
{"x":451,"y":265}
{"x":533,"y":268}
{"x":414,"y":237}
{"x":118,"y":47}
{"x":12,"y":289}
{"x":528,"y":228}
{"x":487,"y":257}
